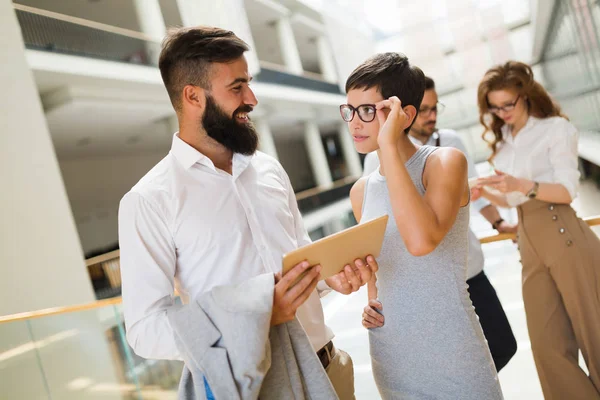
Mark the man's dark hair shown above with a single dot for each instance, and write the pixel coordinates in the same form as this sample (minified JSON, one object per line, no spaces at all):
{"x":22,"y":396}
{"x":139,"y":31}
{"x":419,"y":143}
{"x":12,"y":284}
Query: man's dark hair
{"x":392,"y":75}
{"x":429,"y":83}
{"x":187,"y":53}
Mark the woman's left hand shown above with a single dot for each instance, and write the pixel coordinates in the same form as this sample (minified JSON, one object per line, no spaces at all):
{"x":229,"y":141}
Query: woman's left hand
{"x":502,"y":182}
{"x":392,"y":121}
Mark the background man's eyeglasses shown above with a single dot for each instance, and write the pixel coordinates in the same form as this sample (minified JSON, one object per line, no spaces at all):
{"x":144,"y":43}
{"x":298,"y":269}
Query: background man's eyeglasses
{"x":437,"y":109}
{"x":366,"y":112}
{"x":506,"y":108}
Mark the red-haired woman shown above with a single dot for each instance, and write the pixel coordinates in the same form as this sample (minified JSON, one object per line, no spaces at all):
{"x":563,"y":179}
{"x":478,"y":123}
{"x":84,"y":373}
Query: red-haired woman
{"x":535,"y":156}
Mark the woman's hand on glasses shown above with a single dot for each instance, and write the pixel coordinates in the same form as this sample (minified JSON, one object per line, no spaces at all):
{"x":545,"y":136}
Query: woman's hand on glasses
{"x":392,"y":121}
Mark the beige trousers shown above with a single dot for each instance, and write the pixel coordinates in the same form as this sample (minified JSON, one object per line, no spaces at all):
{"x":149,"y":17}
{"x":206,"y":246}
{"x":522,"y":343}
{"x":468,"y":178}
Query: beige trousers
{"x":341,"y":374}
{"x":561,"y":292}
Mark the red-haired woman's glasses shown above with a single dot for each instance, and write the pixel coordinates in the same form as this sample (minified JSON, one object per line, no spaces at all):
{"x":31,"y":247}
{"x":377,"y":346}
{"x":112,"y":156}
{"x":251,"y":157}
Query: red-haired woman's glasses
{"x":506,"y":108}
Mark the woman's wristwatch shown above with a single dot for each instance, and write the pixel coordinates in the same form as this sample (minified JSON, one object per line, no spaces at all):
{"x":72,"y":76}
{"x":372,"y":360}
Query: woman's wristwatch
{"x":533,"y":191}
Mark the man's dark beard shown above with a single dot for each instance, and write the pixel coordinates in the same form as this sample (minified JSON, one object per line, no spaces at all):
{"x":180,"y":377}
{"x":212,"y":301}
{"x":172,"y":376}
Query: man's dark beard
{"x":239,"y":138}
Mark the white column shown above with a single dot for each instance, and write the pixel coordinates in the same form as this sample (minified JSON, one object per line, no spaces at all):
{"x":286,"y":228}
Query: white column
{"x":288,"y":46}
{"x":326,"y":61}
{"x":266,"y":142}
{"x":225,"y":14}
{"x":316,"y":154}
{"x":350,"y":155}
{"x":152,"y":24}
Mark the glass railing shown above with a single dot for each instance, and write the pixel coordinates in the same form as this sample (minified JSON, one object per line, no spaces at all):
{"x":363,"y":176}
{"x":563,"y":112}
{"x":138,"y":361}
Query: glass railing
{"x":78,"y":353}
{"x":58,"y":33}
{"x":318,"y":197}
{"x":276,"y":74}
{"x":571,"y":61}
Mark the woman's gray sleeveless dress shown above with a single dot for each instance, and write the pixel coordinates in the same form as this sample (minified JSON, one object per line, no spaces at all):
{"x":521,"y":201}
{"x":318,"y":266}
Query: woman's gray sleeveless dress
{"x":431,"y":346}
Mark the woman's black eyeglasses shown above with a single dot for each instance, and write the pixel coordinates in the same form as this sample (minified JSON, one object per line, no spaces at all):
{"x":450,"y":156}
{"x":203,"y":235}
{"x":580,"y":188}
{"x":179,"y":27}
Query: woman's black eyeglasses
{"x":366,"y":112}
{"x":506,"y":108}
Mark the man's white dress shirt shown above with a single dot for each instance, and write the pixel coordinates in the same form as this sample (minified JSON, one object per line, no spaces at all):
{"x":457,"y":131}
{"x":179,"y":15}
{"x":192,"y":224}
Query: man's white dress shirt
{"x":191,"y":226}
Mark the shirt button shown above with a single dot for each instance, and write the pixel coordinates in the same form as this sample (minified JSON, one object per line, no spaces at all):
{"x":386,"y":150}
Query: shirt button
{"x":554,"y":217}
{"x":551,"y":207}
{"x":562,"y":230}
{"x":569,"y":243}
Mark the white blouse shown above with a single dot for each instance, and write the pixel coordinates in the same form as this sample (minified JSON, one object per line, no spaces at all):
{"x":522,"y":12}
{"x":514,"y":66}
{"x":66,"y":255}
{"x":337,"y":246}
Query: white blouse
{"x":545,"y":150}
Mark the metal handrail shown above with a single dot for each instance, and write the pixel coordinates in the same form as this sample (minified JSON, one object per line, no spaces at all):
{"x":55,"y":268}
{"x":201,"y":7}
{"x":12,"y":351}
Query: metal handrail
{"x":60,"y":310}
{"x":591,"y":221}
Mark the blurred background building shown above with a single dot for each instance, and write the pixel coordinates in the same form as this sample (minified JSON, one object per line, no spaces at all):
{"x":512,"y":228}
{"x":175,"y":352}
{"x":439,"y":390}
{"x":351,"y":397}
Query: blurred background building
{"x":84,"y":115}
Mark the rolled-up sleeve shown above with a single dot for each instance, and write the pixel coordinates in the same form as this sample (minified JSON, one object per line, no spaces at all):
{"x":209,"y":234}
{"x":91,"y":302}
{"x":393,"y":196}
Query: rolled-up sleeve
{"x":148,"y":262}
{"x":563,"y":155}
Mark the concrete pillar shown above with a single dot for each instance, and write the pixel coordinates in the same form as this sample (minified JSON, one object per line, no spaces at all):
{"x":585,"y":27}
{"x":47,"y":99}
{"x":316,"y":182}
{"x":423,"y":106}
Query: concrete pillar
{"x":326,"y":61}
{"x":350,"y":155}
{"x":316,"y":154}
{"x":152,"y":24}
{"x":288,"y":46}
{"x":266,"y":142}
{"x":41,"y":261}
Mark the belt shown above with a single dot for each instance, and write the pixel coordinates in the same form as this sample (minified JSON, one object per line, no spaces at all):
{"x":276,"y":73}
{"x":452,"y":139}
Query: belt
{"x":325,"y":354}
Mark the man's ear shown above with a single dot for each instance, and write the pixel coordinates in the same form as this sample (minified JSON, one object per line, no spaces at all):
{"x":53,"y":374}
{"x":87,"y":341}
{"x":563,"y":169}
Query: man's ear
{"x":411,"y":112}
{"x":193,"y":97}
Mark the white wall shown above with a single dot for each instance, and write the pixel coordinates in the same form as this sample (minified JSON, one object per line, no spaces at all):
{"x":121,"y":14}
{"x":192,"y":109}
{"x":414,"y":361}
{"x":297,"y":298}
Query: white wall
{"x":95,"y":186}
{"x":351,"y":46}
{"x":41,"y":261}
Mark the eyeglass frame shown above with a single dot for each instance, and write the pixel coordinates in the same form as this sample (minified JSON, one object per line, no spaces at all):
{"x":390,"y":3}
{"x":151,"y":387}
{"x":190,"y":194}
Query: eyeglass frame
{"x":506,"y":108}
{"x":355,"y":112}
{"x":437,"y":111}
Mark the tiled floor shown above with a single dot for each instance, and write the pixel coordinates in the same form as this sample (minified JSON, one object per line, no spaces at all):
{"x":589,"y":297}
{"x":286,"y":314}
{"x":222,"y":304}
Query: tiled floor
{"x":519,"y":378}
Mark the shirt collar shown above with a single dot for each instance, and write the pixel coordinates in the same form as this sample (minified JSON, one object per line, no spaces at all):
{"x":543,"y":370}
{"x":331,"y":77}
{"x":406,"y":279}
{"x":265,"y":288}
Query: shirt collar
{"x":506,"y":129}
{"x":188,"y":156}
{"x":430,"y":140}
{"x":240,"y":163}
